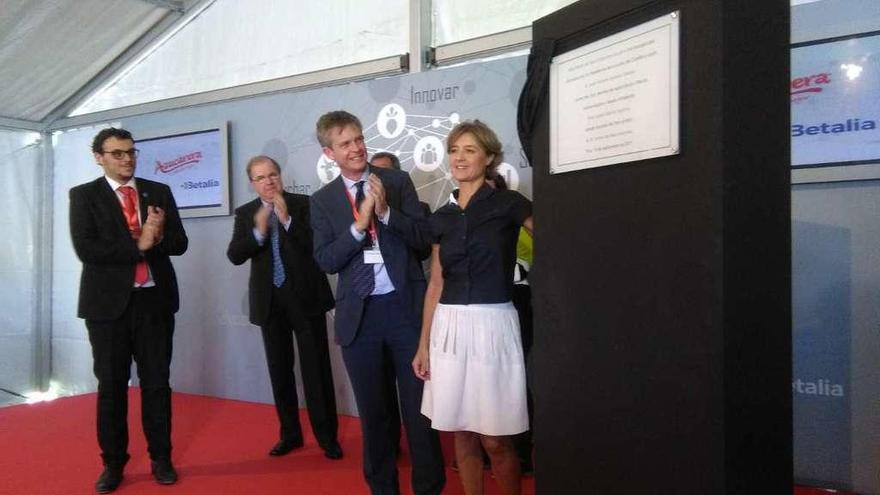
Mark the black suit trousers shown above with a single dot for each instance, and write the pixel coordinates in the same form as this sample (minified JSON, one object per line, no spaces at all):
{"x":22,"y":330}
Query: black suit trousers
{"x":144,"y":332}
{"x":286,"y":317}
{"x":387,"y":340}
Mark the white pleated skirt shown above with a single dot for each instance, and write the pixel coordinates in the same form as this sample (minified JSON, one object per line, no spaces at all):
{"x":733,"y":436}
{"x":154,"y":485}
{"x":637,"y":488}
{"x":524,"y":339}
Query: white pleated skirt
{"x":478,"y":376}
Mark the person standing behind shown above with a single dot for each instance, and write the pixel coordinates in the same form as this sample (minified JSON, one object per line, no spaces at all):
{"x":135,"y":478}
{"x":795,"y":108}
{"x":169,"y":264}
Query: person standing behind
{"x":522,"y":301}
{"x":124,"y":230}
{"x":470,"y":352}
{"x":384,"y":159}
{"x":367,"y":224}
{"x":287,"y":290}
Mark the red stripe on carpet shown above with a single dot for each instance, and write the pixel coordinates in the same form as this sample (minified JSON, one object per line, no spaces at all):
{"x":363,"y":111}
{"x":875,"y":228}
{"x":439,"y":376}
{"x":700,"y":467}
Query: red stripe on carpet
{"x":220,"y":447}
{"x":804,"y":490}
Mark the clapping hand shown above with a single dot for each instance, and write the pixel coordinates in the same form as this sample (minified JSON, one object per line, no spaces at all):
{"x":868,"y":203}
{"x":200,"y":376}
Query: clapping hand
{"x":153,"y":229}
{"x":365,"y":213}
{"x":261,"y":219}
{"x":377,"y":192}
{"x":281,"y":208}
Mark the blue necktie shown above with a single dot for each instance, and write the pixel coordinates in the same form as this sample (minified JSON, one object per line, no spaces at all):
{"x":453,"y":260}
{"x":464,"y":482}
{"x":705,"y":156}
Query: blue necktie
{"x":277,"y":266}
{"x":358,"y":199}
{"x":363,"y":280}
{"x":359,"y":195}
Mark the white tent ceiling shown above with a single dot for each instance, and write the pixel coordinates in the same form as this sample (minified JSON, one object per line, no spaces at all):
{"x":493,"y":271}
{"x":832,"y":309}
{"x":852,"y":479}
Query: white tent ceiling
{"x":57,"y":56}
{"x":55,"y":53}
{"x":50,"y":49}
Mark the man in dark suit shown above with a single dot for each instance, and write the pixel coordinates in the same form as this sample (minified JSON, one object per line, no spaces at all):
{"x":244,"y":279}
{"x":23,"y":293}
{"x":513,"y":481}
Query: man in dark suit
{"x":367,"y":224}
{"x":124,"y":230}
{"x":385,"y":159}
{"x":287,"y":291}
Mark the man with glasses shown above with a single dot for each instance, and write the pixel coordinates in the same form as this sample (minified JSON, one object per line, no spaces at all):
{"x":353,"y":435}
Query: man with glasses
{"x":124,"y":229}
{"x":287,"y":292}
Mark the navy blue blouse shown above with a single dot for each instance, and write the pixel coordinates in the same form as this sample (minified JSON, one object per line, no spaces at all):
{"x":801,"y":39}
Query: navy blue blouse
{"x":478,"y":245}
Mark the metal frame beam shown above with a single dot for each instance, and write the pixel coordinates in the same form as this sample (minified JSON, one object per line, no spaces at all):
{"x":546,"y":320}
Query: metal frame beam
{"x":484,"y":46}
{"x":43,"y":278}
{"x":421,"y":28}
{"x":20,"y":124}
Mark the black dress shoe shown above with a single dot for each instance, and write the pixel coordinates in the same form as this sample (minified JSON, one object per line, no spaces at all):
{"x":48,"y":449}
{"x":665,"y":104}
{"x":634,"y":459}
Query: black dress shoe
{"x":332,"y":451}
{"x":109,"y":479}
{"x":164,"y":472}
{"x":283,"y":447}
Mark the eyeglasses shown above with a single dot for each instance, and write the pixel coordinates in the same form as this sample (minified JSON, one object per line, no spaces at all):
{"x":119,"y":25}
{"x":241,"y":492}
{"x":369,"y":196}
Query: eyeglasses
{"x":263,"y":178}
{"x":120,"y":154}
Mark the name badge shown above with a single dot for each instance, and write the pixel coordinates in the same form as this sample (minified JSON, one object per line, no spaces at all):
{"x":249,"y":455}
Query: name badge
{"x":372,"y":256}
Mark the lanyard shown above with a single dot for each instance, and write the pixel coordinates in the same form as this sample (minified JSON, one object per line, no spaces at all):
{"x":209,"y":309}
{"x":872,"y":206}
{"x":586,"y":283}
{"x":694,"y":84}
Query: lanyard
{"x":356,"y":214}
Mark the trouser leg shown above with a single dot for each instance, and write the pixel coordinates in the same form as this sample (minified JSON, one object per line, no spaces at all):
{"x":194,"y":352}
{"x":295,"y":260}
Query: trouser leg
{"x":111,"y":351}
{"x":365,"y":363}
{"x":152,"y":337}
{"x":278,"y":344}
{"x":317,"y":376}
{"x":428,"y":473}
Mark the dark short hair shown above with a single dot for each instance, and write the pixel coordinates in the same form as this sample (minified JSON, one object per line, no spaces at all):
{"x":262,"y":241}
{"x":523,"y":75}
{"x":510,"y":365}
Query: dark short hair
{"x":261,"y":158}
{"x":395,"y":162}
{"x":105,"y":134}
{"x":332,"y":120}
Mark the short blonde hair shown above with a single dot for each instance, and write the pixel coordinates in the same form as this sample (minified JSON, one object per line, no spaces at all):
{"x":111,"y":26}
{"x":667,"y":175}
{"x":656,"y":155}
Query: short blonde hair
{"x":332,"y":120}
{"x":485,"y":137}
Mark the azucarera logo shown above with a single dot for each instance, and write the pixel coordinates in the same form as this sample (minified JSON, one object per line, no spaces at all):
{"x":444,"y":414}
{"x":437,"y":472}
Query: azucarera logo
{"x":177,"y":164}
{"x":810,"y":84}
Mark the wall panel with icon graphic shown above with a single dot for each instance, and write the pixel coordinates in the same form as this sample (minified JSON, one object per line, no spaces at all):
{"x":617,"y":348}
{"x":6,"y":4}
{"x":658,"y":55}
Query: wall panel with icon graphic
{"x":217,"y":351}
{"x":411,"y":115}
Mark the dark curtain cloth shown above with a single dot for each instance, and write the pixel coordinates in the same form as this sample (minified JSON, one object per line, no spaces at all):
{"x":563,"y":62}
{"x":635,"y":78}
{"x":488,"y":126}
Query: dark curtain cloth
{"x":534,"y":91}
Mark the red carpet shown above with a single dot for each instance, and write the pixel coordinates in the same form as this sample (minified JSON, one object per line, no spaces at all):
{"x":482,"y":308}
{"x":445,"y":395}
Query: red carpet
{"x":220,"y":447}
{"x":818,"y":491}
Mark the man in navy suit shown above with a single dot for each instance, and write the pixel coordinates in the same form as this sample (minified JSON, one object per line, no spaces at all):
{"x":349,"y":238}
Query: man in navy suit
{"x":124,"y":230}
{"x":367,"y":226}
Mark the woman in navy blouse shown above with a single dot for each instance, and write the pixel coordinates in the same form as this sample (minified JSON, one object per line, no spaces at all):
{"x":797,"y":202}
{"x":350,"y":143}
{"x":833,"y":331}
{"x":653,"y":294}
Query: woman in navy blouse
{"x":470,"y":352}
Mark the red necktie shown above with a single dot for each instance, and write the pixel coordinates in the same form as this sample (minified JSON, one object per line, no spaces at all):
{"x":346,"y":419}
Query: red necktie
{"x":129,"y":202}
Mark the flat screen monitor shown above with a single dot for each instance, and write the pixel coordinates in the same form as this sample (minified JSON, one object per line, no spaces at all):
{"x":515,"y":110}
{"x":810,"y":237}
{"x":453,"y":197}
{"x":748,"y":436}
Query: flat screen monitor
{"x":194,"y":162}
{"x":835,"y":102}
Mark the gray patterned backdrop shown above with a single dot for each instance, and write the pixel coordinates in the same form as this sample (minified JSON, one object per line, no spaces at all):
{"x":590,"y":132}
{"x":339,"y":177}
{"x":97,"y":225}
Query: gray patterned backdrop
{"x":217,"y":351}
